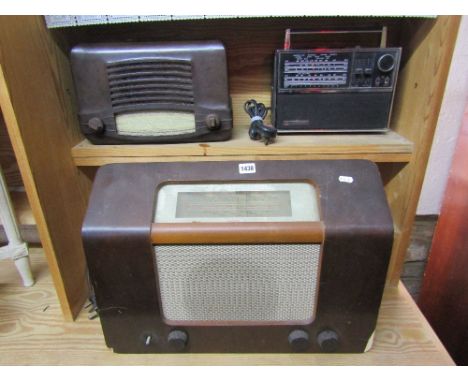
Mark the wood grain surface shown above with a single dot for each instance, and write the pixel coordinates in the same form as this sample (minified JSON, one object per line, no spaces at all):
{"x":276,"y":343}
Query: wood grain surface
{"x":32,"y":332}
{"x":444,"y":294}
{"x":387,"y":147}
{"x":237,"y":233}
{"x":37,"y":105}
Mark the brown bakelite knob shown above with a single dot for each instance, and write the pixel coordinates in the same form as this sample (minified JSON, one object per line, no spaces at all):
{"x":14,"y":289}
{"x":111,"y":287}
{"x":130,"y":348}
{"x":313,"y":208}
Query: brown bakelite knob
{"x":299,"y":340}
{"x":177,"y":339}
{"x":328,"y":340}
{"x":212,"y":121}
{"x":96,"y":125}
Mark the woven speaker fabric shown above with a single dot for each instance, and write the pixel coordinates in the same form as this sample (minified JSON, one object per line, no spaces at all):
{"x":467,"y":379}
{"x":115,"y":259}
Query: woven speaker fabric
{"x":267,"y":282}
{"x":155,"y":123}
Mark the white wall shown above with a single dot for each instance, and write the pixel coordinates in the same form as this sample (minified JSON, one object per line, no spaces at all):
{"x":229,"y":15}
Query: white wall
{"x":450,"y":119}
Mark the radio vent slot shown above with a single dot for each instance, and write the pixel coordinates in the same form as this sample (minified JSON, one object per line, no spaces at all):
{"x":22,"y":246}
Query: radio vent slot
{"x":150,"y":81}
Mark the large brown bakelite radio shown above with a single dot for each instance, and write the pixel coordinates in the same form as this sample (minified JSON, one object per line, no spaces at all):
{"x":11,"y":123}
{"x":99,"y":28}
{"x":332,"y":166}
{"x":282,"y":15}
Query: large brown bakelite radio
{"x":228,"y":257}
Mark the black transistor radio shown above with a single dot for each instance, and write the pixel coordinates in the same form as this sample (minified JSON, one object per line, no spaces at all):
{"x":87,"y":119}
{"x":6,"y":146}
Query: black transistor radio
{"x":334,"y":90}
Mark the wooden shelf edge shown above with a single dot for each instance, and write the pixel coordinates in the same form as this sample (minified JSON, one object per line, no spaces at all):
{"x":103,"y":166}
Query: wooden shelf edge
{"x":101,"y":161}
{"x":388,"y":147}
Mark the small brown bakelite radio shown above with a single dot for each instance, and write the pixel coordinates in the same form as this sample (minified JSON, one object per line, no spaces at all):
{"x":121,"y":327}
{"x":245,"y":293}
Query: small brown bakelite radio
{"x":152,"y":93}
{"x":228,"y":257}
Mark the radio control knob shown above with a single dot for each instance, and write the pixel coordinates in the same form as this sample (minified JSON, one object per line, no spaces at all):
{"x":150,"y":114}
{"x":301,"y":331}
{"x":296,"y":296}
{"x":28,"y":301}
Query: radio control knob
{"x":386,"y":63}
{"x":177,"y":340}
{"x":96,"y":125}
{"x":299,"y":340}
{"x":212,"y":121}
{"x":328,"y":340}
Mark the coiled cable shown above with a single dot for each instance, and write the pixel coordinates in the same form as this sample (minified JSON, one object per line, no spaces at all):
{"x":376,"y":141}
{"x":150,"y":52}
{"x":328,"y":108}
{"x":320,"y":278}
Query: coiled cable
{"x":258,"y":130}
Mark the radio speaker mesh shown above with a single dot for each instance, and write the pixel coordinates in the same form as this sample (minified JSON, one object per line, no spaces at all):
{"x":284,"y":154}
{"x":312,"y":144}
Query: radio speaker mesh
{"x":245,"y":283}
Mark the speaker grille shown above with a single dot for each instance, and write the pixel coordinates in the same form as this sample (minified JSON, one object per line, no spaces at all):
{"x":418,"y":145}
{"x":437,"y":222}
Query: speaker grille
{"x":150,"y":81}
{"x":245,"y":283}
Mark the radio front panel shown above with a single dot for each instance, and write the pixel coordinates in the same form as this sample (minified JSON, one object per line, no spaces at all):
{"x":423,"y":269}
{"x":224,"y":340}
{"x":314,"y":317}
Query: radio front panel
{"x":358,"y":69}
{"x":208,"y":258}
{"x":238,"y":284}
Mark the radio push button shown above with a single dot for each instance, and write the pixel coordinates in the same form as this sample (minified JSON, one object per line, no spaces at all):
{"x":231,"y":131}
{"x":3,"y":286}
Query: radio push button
{"x":358,"y":71}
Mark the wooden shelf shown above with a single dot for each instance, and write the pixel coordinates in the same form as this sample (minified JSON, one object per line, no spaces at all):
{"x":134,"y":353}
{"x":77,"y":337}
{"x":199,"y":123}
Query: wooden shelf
{"x":386,"y":147}
{"x":32,"y":320}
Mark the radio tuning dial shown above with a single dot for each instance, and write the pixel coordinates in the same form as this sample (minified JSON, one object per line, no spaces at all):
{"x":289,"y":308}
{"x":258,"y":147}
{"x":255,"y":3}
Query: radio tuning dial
{"x":96,"y":125}
{"x":386,"y":63}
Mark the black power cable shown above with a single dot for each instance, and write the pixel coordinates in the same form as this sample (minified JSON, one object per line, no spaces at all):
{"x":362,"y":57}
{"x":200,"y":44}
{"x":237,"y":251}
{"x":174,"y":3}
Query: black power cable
{"x":258,"y":130}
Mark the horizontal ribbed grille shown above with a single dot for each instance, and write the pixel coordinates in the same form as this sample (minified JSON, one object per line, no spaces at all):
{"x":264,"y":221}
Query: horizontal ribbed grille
{"x":150,"y":81}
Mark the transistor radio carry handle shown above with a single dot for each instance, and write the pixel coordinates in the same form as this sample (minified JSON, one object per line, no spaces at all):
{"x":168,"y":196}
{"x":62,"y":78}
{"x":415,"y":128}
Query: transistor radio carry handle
{"x":382,"y":32}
